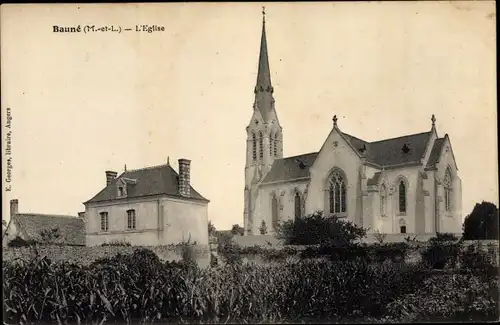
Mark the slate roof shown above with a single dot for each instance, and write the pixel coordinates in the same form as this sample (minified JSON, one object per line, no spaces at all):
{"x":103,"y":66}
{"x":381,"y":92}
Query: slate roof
{"x":72,"y":229}
{"x":382,"y":153}
{"x":436,"y":150}
{"x":156,"y":180}
{"x":291,"y":168}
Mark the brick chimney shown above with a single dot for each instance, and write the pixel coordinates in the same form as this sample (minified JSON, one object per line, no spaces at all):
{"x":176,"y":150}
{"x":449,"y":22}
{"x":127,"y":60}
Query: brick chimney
{"x":14,"y":207}
{"x":110,"y":176}
{"x":184,"y":177}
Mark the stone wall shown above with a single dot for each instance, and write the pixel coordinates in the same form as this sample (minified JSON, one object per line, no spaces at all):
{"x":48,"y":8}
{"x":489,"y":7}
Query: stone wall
{"x":82,"y":255}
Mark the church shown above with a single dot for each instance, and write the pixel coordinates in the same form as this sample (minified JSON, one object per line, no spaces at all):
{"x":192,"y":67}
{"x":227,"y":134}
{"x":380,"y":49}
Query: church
{"x":409,"y":184}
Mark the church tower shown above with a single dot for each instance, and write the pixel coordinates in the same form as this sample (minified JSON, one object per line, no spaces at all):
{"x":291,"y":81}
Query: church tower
{"x":264,"y":133}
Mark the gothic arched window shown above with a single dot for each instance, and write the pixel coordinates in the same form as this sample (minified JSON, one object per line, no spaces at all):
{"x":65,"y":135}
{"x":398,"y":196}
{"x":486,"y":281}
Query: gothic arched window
{"x":337,"y":193}
{"x":271,"y":144}
{"x":254,"y":146}
{"x":402,"y":196}
{"x":298,"y":205}
{"x":261,"y":145}
{"x":274,"y":211}
{"x":383,"y":200}
{"x":275,"y":143}
{"x":447,"y":190}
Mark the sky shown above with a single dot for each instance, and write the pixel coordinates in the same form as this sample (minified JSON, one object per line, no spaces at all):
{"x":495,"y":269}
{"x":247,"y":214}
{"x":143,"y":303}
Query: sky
{"x":82,"y":104}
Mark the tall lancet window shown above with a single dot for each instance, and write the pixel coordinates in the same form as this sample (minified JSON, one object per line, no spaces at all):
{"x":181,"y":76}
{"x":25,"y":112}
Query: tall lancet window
{"x":275,"y":144}
{"x":298,"y":205}
{"x":274,"y":211}
{"x":402,"y":196}
{"x":447,"y":190}
{"x":271,"y":144}
{"x":261,"y":146}
{"x":337,"y":193}
{"x":383,"y":200}
{"x":254,"y":146}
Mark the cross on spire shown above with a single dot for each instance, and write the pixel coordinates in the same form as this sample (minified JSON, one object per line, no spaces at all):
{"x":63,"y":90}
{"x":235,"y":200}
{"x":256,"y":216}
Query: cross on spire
{"x":334,"y":120}
{"x":264,"y":14}
{"x":433,"y":119}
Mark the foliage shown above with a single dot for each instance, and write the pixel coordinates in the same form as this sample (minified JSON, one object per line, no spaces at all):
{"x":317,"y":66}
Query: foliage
{"x":211,"y":229}
{"x":316,"y":229}
{"x":473,"y":258}
{"x":443,"y":251}
{"x":139,"y":288}
{"x":51,"y":236}
{"x":263,"y":228}
{"x":116,"y":243}
{"x":379,"y":237}
{"x":409,"y":239}
{"x":449,"y":297}
{"x":20,"y":242}
{"x":482,"y":222}
{"x":237,"y":230}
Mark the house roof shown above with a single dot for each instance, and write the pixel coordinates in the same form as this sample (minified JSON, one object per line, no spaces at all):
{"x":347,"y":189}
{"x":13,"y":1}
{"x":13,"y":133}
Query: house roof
{"x":156,"y":180}
{"x":382,"y":153}
{"x":435,"y":152}
{"x":72,"y":229}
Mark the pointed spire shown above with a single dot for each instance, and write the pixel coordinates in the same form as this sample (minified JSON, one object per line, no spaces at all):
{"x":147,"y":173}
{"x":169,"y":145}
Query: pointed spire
{"x":264,"y":74}
{"x":125,"y":168}
{"x":334,"y":121}
{"x":168,"y":160}
{"x":433,"y":119}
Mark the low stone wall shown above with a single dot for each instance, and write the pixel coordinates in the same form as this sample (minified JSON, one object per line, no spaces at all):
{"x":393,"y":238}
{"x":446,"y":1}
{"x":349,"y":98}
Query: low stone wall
{"x":82,"y":255}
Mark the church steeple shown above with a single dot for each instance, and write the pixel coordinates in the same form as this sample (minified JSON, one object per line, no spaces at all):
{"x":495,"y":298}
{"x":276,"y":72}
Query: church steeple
{"x":264,"y":100}
{"x":264,"y":74}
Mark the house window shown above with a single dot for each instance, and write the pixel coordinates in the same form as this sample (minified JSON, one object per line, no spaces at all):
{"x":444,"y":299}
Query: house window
{"x":120,"y":191}
{"x":274,"y":211}
{"x":402,"y":196}
{"x":254,"y":146}
{"x":383,"y":200}
{"x":131,"y":219}
{"x":261,"y":145}
{"x":104,"y":221}
{"x":447,"y":190}
{"x":337,"y":193}
{"x":298,"y":206}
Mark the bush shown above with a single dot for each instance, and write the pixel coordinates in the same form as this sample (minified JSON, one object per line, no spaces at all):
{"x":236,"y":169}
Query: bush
{"x":443,"y":251}
{"x":20,"y":242}
{"x":316,"y":229}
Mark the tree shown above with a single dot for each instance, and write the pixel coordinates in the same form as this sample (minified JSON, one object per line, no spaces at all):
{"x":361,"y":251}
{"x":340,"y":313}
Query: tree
{"x":237,"y":230}
{"x":482,"y":222}
{"x":211,"y":229}
{"x":317,"y":229}
{"x":263,"y":228}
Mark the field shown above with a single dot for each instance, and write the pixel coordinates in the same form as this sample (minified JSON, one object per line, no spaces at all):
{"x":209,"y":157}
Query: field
{"x":140,"y":288}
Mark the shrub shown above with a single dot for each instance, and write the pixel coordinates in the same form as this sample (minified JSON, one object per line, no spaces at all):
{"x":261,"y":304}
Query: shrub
{"x":443,"y":251}
{"x":477,"y":261}
{"x":20,"y":242}
{"x":316,"y":229}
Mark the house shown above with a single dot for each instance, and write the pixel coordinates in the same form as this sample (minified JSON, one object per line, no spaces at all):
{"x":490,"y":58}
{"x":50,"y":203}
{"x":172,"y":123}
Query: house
{"x":408,"y":184}
{"x":45,"y":228}
{"x":147,"y":207}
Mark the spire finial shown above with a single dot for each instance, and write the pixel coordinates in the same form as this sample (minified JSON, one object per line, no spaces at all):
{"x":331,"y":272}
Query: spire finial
{"x":168,"y":160}
{"x":433,"y":119}
{"x":125,"y":168}
{"x":264,"y":14}
{"x":334,"y":120}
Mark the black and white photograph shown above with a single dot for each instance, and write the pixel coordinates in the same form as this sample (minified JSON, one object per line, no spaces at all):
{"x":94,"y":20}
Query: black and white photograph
{"x":249,"y":162}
